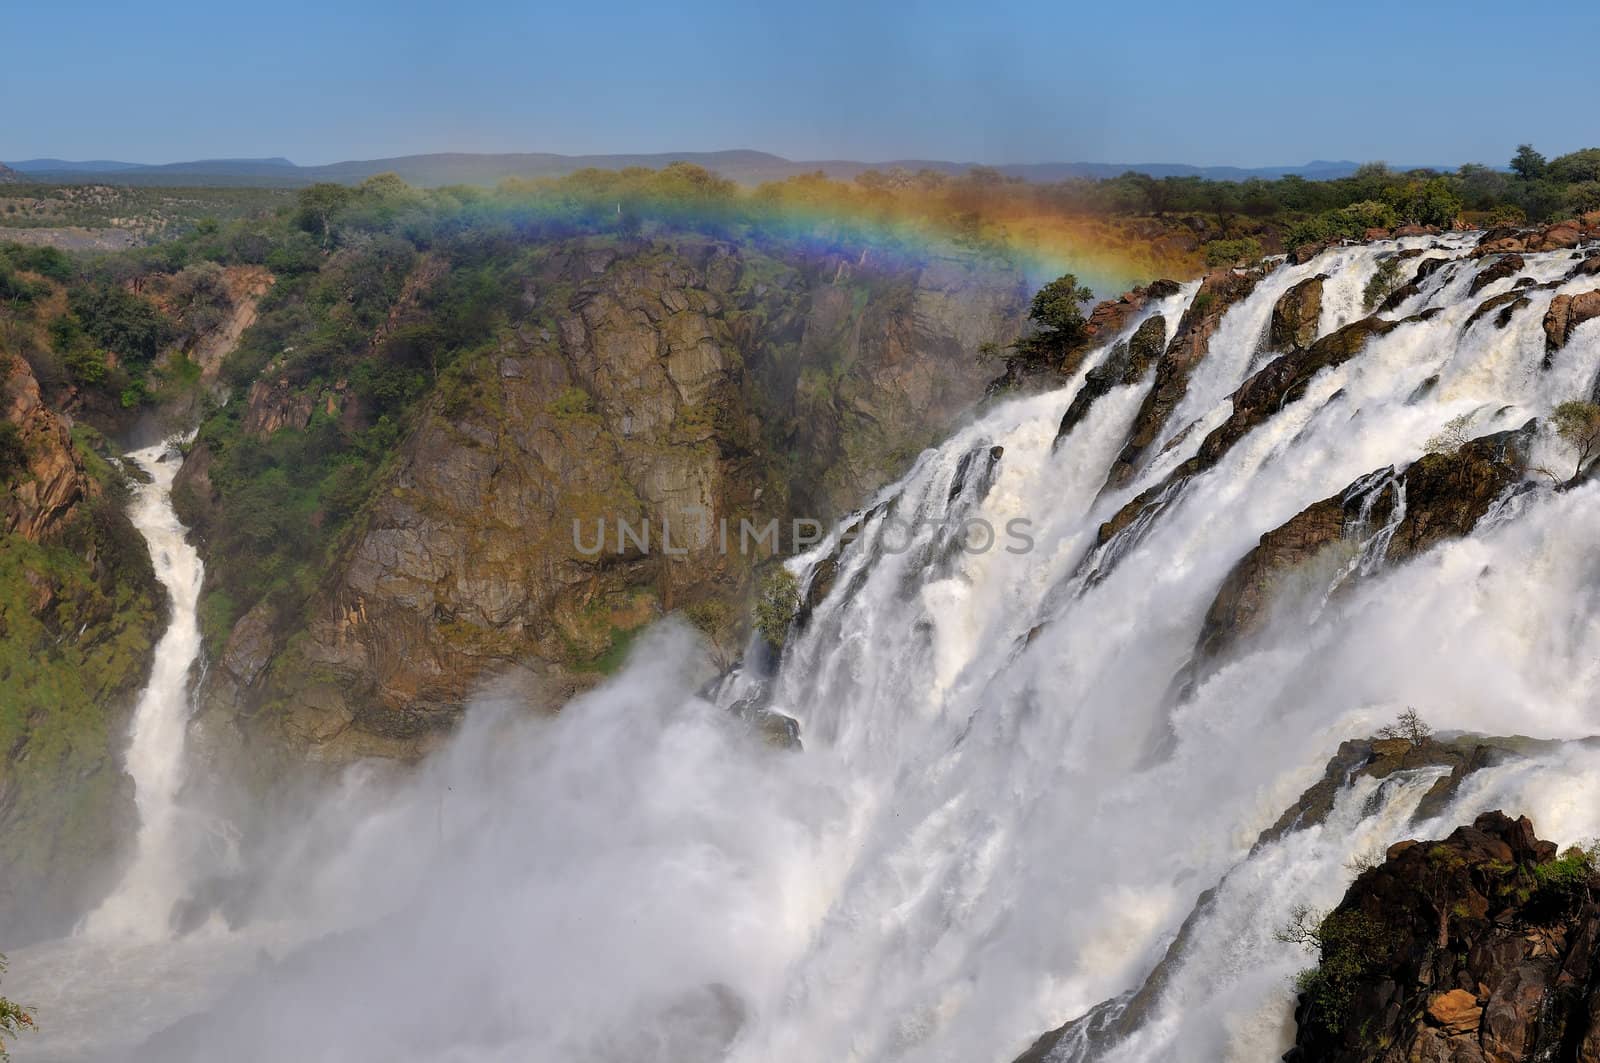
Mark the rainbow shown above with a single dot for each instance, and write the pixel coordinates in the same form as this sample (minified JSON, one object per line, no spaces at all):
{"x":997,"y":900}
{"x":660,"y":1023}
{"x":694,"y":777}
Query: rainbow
{"x":822,"y":217}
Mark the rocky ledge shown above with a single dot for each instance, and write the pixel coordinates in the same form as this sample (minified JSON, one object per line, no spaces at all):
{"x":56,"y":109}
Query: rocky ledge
{"x":1480,"y":948}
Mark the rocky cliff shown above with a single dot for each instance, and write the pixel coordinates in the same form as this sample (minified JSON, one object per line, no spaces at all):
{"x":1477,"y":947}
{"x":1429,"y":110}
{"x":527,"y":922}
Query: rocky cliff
{"x":79,"y":612}
{"x":681,"y":386}
{"x":1481,"y":948}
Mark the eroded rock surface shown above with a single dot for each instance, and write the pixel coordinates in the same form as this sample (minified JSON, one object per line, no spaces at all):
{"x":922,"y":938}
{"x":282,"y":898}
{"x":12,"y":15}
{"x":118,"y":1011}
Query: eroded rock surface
{"x":1481,"y":948}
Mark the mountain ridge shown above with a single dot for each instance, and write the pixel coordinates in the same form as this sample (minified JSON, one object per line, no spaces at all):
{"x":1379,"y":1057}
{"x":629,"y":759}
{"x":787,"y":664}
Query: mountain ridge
{"x":742,"y":165}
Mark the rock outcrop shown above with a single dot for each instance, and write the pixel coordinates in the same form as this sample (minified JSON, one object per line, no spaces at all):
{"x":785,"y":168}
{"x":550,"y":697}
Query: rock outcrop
{"x":1219,"y":291}
{"x":1093,"y":1034}
{"x":1295,"y":315}
{"x":1566,"y":313}
{"x":1125,"y":364}
{"x":1280,"y":381}
{"x":1439,"y":496}
{"x":48,"y":480}
{"x":1501,"y":268}
{"x":1481,"y":948}
{"x":1108,"y":318}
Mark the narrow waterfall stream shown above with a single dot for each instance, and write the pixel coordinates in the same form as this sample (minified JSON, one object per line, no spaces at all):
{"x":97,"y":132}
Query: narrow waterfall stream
{"x":141,"y":903}
{"x":1005,"y":809}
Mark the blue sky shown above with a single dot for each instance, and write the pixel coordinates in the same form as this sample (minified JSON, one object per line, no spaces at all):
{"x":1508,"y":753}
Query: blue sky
{"x":1149,"y":81}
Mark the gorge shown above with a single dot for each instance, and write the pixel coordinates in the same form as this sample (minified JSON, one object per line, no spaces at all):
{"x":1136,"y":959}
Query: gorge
{"x":1071,"y":790}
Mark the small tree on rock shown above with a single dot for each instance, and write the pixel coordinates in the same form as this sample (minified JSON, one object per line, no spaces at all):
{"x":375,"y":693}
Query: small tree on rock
{"x":1057,"y":314}
{"x":1577,"y":423}
{"x":1410,"y":726}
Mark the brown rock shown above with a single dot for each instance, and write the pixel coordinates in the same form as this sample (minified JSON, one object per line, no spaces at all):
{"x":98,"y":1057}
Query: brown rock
{"x":1566,"y":313}
{"x":1219,"y":291}
{"x":1457,"y":1011}
{"x":1498,"y":270}
{"x":1296,"y":314}
{"x":41,"y":498}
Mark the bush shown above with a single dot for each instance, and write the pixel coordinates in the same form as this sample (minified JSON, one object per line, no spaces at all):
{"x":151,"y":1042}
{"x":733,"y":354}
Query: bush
{"x":776,"y":606}
{"x":1233,"y":252}
{"x":14,"y":1018}
{"x":1409,"y":726}
{"x":1351,"y":944}
{"x":122,"y":321}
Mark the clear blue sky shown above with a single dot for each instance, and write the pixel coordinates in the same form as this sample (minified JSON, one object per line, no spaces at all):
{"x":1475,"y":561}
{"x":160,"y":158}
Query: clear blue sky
{"x":1114,"y":81}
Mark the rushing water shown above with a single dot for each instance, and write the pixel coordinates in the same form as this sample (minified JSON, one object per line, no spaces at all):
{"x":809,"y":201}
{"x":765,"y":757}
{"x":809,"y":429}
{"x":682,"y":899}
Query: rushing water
{"x":155,"y":751}
{"x":1001,"y":817}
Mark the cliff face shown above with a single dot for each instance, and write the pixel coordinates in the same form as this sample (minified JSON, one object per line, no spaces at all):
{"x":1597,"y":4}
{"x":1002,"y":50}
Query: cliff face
{"x":79,"y":612}
{"x":671,"y":385}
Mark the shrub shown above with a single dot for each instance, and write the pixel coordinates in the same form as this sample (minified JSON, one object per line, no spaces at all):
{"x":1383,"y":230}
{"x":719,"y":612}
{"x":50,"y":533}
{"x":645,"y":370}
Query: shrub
{"x":777,"y":604}
{"x":1350,"y":943}
{"x":1577,"y":423}
{"x":1233,"y":252}
{"x":14,"y":1018}
{"x":121,"y":321}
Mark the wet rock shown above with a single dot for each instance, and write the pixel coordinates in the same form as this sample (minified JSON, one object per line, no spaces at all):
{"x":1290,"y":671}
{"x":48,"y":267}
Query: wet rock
{"x":1446,"y":494}
{"x":1218,"y":292}
{"x":1125,"y":364}
{"x":1503,"y":306}
{"x":1281,"y":381}
{"x":1498,"y":270}
{"x":1296,"y":314}
{"x":1566,"y":313}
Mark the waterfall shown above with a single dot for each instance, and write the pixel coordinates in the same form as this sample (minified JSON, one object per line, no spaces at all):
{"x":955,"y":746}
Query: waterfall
{"x":1006,"y":813}
{"x":142,"y":902}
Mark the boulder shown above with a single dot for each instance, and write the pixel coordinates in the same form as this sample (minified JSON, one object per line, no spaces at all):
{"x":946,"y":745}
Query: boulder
{"x":1566,"y":313}
{"x":1498,"y":270}
{"x":1296,"y":313}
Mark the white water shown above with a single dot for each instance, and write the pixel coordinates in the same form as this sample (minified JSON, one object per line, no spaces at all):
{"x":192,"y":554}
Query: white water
{"x":140,"y":904}
{"x":987,"y":834}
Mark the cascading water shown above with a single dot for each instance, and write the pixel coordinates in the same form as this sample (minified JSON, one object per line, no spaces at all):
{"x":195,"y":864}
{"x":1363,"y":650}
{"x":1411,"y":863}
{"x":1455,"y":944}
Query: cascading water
{"x":1003,"y":814}
{"x":141,"y":904}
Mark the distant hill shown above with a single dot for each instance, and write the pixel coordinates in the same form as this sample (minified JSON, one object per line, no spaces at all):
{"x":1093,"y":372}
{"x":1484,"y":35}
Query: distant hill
{"x":8,"y":174}
{"x":746,"y":167}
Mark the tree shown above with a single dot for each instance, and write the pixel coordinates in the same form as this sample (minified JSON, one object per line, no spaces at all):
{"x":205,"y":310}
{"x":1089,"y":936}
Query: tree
{"x":776,"y":605}
{"x":1527,"y":163}
{"x":318,"y":205}
{"x":14,"y":1018}
{"x":1411,"y":727}
{"x":1577,"y":423}
{"x":1057,"y":312}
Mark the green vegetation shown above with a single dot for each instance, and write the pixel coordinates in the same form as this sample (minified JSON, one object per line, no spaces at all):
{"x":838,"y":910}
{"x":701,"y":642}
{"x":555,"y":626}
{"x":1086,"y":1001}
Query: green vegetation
{"x":14,"y":1018}
{"x":1351,"y":945}
{"x":1241,"y":251}
{"x":13,"y":451}
{"x":1059,"y":326}
{"x":147,"y":213}
{"x":776,"y":605}
{"x":1577,"y":423}
{"x":78,"y":617}
{"x":1384,"y":282}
